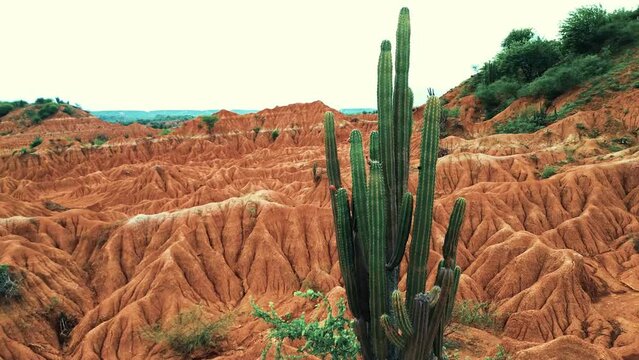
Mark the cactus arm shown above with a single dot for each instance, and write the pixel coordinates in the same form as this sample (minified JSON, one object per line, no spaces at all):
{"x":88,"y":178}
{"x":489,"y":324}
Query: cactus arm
{"x":358,"y":175}
{"x":332,"y":161}
{"x":452,"y":233}
{"x":376,"y":259}
{"x":387,"y":129}
{"x":406,"y":216}
{"x":391,"y":331}
{"x":401,"y":102}
{"x":403,"y":320}
{"x":373,"y":146}
{"x":420,"y":247}
{"x":346,"y":251}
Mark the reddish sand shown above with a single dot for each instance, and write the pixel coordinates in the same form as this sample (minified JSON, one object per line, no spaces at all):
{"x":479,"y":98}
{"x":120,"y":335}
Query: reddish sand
{"x":132,"y":232}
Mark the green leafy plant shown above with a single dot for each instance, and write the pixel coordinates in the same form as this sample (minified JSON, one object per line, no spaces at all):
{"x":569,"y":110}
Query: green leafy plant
{"x":9,"y":284}
{"x":332,"y":336}
{"x":501,"y":354}
{"x":5,"y":108}
{"x":275,"y":134}
{"x":210,"y":121}
{"x":372,"y":229}
{"x":474,"y":314}
{"x":36,"y":142}
{"x":99,"y":140}
{"x":69,"y":110}
{"x":529,"y":121}
{"x":165,"y":132}
{"x":47,"y":110}
{"x":190,"y":331}
{"x":548,"y":171}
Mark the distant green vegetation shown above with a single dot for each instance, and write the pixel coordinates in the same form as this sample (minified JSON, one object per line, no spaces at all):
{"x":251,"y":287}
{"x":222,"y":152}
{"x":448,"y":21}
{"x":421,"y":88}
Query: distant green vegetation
{"x":210,"y":121}
{"x":36,"y":142}
{"x":590,"y":46}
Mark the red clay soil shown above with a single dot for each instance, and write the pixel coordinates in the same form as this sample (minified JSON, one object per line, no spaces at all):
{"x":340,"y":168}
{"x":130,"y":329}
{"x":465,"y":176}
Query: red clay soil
{"x":129,"y":234}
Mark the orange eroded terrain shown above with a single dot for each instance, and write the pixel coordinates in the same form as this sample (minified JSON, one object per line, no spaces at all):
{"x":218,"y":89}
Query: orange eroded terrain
{"x":124,"y":235}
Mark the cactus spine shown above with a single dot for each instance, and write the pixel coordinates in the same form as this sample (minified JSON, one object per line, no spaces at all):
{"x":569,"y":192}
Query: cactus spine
{"x":373,"y":230}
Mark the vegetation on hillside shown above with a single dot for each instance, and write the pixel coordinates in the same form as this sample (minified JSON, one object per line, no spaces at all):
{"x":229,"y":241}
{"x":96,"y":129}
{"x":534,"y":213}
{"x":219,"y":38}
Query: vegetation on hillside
{"x":592,"y":43}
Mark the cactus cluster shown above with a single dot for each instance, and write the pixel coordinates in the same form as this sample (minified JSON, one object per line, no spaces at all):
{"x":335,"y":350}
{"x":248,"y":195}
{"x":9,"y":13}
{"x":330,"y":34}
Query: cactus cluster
{"x":373,"y":227}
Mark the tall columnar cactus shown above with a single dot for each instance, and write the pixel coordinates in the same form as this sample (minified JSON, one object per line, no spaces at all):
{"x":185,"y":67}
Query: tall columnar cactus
{"x":372,"y":229}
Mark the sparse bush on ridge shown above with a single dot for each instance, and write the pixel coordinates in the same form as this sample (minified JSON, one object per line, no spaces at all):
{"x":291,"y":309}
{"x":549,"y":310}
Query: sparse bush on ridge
{"x":210,"y":121}
{"x":5,"y":108}
{"x":190,"y":331}
{"x":529,"y":121}
{"x":275,"y":134}
{"x":9,"y":284}
{"x":36,"y":142}
{"x":47,"y":110}
{"x":548,"y":171}
{"x":474,"y":314}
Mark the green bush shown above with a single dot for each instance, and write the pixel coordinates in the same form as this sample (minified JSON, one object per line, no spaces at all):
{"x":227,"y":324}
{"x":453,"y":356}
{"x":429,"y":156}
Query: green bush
{"x":580,"y":31}
{"x":526,"y":61}
{"x":165,"y":132}
{"x":9,"y":284}
{"x":210,"y":121}
{"x":69,"y":110}
{"x":548,"y":171}
{"x":565,"y":76}
{"x":275,"y":134}
{"x":501,"y":354}
{"x":42,"y":101}
{"x":474,"y":314}
{"x":18,"y":104}
{"x":5,"y":108}
{"x":528,"y":121}
{"x":332,"y":336}
{"x":47,"y":110}
{"x":497,"y":96}
{"x":99,"y":140}
{"x":36,"y":142}
{"x":190,"y":331}
{"x":518,"y":36}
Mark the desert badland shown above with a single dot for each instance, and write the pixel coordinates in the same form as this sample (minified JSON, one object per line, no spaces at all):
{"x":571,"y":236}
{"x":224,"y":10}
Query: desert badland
{"x":109,"y":229}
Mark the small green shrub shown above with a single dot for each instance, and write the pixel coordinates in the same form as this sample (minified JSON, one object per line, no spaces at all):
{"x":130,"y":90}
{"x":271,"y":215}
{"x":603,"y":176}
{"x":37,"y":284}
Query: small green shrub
{"x":42,"y":101}
{"x":99,"y":140}
{"x":9,"y":284}
{"x":210,"y":121}
{"x":548,"y":171}
{"x":47,"y":110}
{"x":528,"y":121}
{"x":69,"y":110}
{"x":275,"y":134}
{"x":565,"y":76}
{"x":474,"y":314}
{"x":5,"y":108}
{"x":190,"y":331}
{"x":36,"y":142}
{"x":18,"y":104}
{"x":497,"y":96}
{"x":501,"y":354}
{"x":165,"y":132}
{"x":332,"y":336}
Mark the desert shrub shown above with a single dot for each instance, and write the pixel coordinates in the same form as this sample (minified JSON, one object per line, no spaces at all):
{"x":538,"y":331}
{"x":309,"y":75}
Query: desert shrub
{"x":18,"y":104}
{"x":210,"y":121}
{"x":5,"y":108}
{"x":497,"y":96}
{"x":475,"y":314}
{"x":518,"y":36}
{"x":99,"y":140}
{"x":452,"y":112}
{"x":548,"y":171}
{"x":36,"y":142}
{"x":565,"y":76}
{"x":580,"y":31}
{"x":528,"y":121}
{"x":317,"y":173}
{"x":47,"y":110}
{"x":190,"y":331}
{"x":165,"y":132}
{"x":332,"y":336}
{"x":274,"y":134}
{"x":9,"y":284}
{"x":501,"y":354}
{"x":69,"y":110}
{"x":526,"y":61}
{"x":42,"y":101}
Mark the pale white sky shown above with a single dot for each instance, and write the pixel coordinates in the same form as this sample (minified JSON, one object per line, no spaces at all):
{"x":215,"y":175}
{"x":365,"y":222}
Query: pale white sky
{"x":190,"y":54}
